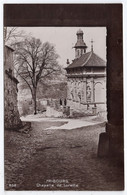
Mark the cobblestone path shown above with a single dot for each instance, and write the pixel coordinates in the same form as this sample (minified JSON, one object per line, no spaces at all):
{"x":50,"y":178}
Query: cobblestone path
{"x":58,"y":160}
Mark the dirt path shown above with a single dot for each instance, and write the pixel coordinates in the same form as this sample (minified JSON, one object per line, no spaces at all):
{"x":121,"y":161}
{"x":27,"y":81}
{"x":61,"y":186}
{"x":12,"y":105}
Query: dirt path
{"x":58,"y":160}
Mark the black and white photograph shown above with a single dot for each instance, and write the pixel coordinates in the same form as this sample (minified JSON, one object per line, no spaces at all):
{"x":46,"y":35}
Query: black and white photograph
{"x":63,"y":98}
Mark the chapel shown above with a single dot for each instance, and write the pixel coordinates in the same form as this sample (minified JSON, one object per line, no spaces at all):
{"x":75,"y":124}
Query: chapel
{"x":86,"y":79}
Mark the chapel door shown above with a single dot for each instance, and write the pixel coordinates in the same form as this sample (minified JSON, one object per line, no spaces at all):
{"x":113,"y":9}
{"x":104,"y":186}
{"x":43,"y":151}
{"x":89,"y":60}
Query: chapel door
{"x":99,"y":93}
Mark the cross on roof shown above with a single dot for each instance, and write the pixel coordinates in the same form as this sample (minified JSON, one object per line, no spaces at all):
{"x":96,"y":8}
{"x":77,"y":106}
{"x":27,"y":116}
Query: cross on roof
{"x":92,"y":44}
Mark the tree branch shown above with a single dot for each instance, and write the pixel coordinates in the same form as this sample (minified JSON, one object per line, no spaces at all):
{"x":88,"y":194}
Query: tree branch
{"x":25,"y":81}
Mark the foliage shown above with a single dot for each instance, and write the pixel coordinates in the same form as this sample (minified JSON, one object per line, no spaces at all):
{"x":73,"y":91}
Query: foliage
{"x":25,"y":109}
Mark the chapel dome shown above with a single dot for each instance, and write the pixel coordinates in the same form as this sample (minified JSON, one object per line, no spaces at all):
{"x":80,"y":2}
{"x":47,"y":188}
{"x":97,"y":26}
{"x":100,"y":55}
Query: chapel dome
{"x":79,"y":31}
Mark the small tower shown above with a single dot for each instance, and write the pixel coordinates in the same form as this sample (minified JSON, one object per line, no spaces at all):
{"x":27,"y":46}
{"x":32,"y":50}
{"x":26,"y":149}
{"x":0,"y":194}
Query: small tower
{"x":80,"y":46}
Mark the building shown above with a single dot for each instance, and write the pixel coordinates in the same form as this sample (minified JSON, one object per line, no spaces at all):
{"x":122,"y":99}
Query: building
{"x":11,"y":114}
{"x":86,"y":79}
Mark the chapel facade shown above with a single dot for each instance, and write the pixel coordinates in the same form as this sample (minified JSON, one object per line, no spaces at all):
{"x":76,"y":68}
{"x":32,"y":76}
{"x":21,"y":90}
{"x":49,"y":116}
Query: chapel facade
{"x":86,"y":79}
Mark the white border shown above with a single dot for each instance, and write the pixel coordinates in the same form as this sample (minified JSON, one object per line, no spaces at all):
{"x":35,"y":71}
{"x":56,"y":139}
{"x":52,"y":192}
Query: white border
{"x":2,"y":192}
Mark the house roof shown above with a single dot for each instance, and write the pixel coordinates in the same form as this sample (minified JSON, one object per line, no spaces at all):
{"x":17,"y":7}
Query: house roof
{"x":89,"y":59}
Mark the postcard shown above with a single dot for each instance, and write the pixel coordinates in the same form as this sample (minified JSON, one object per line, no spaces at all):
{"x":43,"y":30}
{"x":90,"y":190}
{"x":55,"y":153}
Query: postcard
{"x":63,"y":97}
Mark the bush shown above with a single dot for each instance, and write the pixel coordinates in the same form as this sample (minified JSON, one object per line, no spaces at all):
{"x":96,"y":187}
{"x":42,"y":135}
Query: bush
{"x":26,"y":109}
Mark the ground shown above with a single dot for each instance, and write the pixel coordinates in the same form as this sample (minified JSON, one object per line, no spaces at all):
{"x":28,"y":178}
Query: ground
{"x":59,"y":159}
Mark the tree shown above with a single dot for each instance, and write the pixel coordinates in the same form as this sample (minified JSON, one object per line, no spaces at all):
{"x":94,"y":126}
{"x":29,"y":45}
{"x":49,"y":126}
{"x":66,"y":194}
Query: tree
{"x":34,"y":61}
{"x":12,"y":35}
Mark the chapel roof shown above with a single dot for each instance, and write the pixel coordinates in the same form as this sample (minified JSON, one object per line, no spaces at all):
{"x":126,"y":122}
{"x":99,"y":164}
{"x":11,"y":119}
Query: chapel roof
{"x":80,"y":44}
{"x":79,"y":31}
{"x":89,"y":59}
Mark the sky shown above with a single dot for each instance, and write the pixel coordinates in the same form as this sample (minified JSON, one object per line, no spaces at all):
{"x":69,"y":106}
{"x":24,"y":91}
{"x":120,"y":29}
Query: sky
{"x":64,"y":38}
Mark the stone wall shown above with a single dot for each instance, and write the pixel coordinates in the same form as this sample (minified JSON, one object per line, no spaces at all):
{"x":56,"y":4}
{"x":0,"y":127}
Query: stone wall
{"x":84,"y":92}
{"x":11,"y":114}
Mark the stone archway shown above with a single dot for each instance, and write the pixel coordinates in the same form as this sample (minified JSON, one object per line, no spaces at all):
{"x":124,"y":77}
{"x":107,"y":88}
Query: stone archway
{"x":99,"y":92}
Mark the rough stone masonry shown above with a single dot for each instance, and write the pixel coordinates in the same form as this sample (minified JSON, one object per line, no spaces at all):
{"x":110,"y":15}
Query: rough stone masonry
{"x":11,"y":114}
